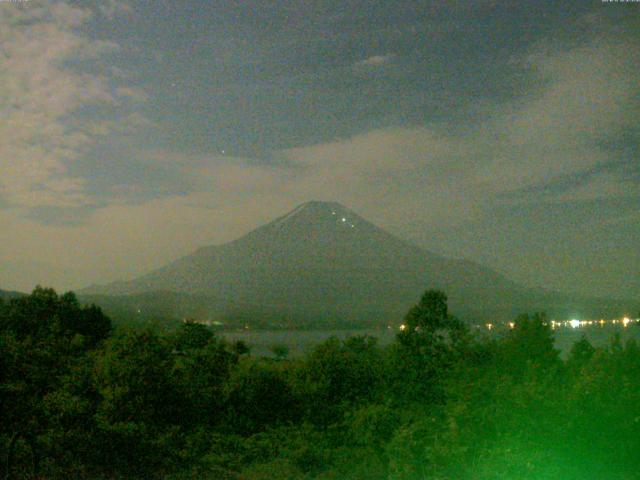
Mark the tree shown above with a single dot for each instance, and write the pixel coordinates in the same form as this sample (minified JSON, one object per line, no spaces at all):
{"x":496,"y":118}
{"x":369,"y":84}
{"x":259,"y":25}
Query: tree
{"x":45,"y":341}
{"x":201,"y":374}
{"x":45,"y":315}
{"x":530,"y":346}
{"x":138,"y":418}
{"x":340,"y":374}
{"x":431,"y":313}
{"x":192,"y":335}
{"x":580,"y":354}
{"x":429,"y":323}
{"x":241,"y":348}
{"x":280,"y":351}
{"x":430,"y":343}
{"x":259,"y":396}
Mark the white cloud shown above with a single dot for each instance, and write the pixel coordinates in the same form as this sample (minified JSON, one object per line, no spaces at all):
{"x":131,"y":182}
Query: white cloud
{"x":443,"y":178}
{"x":591,"y":96}
{"x":112,"y":8}
{"x":39,"y":95}
{"x":376,"y":60}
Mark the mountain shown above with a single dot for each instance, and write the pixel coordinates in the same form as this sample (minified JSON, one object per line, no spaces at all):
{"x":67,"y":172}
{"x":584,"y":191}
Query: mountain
{"x":322,"y":262}
{"x":7,"y":295}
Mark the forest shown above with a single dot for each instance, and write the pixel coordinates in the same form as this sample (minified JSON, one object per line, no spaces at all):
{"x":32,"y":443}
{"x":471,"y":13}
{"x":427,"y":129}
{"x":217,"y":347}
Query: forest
{"x":83,"y":398}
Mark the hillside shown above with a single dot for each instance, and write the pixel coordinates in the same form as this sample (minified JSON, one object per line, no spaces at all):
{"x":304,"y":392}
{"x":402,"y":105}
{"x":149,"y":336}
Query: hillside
{"x":8,"y":294}
{"x":323,"y":262}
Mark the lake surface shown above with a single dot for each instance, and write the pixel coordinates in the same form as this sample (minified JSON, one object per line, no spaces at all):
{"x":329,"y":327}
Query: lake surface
{"x":299,"y":342}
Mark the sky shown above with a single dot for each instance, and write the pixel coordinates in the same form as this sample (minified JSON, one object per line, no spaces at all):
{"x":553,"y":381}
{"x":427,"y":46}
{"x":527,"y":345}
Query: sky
{"x":508,"y":133}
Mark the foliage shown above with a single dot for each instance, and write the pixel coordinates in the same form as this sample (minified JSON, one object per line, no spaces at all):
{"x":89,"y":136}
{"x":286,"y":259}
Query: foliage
{"x":80,"y":400}
{"x":432,"y":341}
{"x":258,"y":396}
{"x":338,"y":375}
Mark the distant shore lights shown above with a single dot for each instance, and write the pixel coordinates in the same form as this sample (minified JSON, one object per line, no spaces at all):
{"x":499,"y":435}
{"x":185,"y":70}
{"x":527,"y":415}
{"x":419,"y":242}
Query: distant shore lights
{"x":573,"y":323}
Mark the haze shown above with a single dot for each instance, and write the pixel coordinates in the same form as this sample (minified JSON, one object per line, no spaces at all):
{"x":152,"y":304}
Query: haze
{"x":132,"y":133}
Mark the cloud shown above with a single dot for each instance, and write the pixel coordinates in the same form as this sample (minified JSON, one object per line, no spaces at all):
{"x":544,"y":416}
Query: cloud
{"x":590,"y":97}
{"x":112,"y":8}
{"x":121,"y":240}
{"x":39,"y":138}
{"x":557,"y":133}
{"x":376,"y":61}
{"x":549,"y":144}
{"x":429,"y":175}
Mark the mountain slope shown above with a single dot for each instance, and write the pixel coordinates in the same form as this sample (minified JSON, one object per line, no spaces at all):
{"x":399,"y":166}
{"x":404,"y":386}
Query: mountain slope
{"x":8,"y":294}
{"x":323,"y":261}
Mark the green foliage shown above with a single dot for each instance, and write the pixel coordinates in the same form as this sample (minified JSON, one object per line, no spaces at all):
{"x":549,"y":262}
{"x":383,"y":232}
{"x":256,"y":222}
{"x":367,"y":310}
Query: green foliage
{"x":241,"y":348}
{"x":138,"y":415}
{"x":340,"y":374}
{"x":280,"y":351}
{"x":44,"y":314}
{"x":46,"y":398}
{"x":192,"y":336}
{"x":432,"y":341}
{"x":200,"y":377}
{"x":529,"y":346}
{"x":278,"y":468}
{"x":133,"y":379}
{"x":78,"y":400}
{"x":431,"y":313}
{"x":373,"y":425}
{"x":259,"y":396}
{"x":580,"y":354}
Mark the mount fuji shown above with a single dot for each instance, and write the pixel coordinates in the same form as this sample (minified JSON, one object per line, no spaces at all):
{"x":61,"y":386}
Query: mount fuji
{"x":323,"y":264}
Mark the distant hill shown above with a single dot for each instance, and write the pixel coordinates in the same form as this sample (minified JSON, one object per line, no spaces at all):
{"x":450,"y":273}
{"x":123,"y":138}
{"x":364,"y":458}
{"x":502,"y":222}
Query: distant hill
{"x":323,"y":264}
{"x":8,"y":294}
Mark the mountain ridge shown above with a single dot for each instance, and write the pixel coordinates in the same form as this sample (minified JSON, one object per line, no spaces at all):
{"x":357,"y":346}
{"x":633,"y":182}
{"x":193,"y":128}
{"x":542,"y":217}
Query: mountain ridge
{"x":323,"y":260}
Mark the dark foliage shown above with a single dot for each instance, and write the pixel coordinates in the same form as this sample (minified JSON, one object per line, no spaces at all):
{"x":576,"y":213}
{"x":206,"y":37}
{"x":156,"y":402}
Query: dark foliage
{"x":80,"y":401}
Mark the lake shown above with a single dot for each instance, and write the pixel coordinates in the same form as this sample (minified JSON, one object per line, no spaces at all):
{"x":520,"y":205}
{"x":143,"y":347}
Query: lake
{"x":301,"y":341}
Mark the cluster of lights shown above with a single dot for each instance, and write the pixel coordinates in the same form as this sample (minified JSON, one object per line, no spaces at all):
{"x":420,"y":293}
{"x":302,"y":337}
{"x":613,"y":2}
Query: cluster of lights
{"x":344,"y":220}
{"x":625,"y":322}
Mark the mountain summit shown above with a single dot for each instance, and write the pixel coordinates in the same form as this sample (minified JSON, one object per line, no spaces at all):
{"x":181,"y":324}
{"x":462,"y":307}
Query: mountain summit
{"x":322,"y":261}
